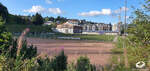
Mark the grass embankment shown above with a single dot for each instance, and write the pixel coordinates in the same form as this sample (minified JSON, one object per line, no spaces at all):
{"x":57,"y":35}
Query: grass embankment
{"x":96,"y":37}
{"x":105,"y":38}
{"x":33,"y":28}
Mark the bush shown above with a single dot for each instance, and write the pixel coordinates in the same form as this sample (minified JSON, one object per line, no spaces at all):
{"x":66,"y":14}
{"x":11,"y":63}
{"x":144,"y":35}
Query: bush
{"x":5,"y":37}
{"x":83,"y":64}
{"x":59,"y":63}
{"x":121,"y":67}
{"x":44,"y":64}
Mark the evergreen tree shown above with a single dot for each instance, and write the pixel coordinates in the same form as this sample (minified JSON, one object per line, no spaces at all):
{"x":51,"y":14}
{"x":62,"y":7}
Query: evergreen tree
{"x":3,"y":12}
{"x":37,"y":19}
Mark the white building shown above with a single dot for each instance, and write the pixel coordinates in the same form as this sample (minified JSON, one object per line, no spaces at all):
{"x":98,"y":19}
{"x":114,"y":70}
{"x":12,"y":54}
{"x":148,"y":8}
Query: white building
{"x":65,"y":28}
{"x":69,"y":28}
{"x":48,"y":23}
{"x":73,"y":22}
{"x":97,"y":27}
{"x":115,"y":27}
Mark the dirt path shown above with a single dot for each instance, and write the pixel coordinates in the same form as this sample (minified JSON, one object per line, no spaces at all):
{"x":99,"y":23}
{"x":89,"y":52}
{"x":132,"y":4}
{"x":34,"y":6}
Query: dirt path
{"x":115,"y":39}
{"x":98,"y":52}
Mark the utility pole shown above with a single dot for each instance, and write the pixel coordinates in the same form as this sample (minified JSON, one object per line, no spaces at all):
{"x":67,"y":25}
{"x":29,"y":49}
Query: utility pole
{"x":125,"y":17}
{"x":119,"y":23}
{"x":124,"y":44}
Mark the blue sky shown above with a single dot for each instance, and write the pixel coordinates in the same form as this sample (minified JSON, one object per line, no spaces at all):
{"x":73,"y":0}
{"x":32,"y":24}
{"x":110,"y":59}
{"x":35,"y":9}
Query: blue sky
{"x":92,"y":10}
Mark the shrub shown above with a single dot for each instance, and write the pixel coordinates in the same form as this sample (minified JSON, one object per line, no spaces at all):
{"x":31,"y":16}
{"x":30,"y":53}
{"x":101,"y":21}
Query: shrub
{"x":121,"y":67}
{"x":59,"y":63}
{"x":5,"y":37}
{"x":83,"y":64}
{"x":71,"y":67}
{"x":44,"y":64}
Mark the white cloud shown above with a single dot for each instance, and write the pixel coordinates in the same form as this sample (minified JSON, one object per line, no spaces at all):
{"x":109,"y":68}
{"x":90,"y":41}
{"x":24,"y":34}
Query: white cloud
{"x":122,"y":10}
{"x":106,"y":11}
{"x":91,"y":13}
{"x":35,"y":9}
{"x":96,"y":13}
{"x":40,"y":9}
{"x":55,"y":10}
{"x":48,"y":1}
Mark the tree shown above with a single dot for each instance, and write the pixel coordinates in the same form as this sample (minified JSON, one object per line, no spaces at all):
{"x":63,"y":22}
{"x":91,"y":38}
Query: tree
{"x":3,"y":12}
{"x":60,"y":19}
{"x":138,"y":41}
{"x":147,"y":5}
{"x":46,"y":19}
{"x":37,"y":19}
{"x":52,"y":19}
{"x":140,"y":33}
{"x":5,"y":37}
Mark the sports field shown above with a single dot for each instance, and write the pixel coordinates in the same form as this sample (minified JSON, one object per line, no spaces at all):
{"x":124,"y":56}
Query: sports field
{"x":98,"y":52}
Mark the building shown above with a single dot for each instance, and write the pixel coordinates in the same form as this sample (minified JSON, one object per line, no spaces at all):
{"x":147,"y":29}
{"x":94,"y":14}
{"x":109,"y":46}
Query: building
{"x":48,"y":23}
{"x":73,"y":22}
{"x":96,"y":27}
{"x":114,"y":27}
{"x":69,"y":28}
{"x":76,"y":26}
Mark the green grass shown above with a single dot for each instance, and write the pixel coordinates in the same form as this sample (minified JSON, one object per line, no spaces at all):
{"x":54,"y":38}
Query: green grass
{"x":88,"y":37}
{"x":96,"y":37}
{"x":118,"y":46}
{"x":33,"y":28}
